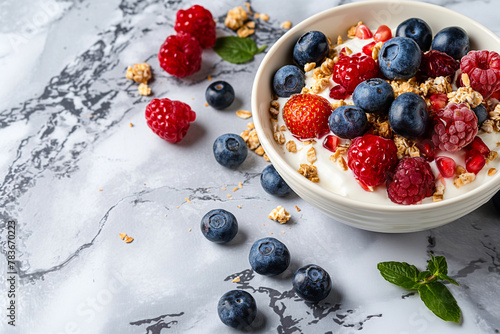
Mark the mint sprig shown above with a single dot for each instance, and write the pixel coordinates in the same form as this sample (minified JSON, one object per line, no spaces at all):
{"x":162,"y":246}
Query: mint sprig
{"x":434,"y":294}
{"x":237,"y":50}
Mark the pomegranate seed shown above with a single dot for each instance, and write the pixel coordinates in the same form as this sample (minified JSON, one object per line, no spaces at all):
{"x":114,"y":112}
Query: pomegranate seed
{"x":478,"y":144}
{"x":331,"y":142}
{"x":368,"y":48}
{"x":382,"y":34}
{"x":446,"y":166}
{"x":338,"y":93}
{"x":438,"y":101}
{"x":363,"y":32}
{"x":427,"y":149}
{"x":474,"y":161}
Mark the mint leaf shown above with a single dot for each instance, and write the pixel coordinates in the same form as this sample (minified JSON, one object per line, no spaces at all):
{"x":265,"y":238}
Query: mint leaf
{"x":437,"y":264}
{"x":236,"y":50}
{"x":400,"y":273}
{"x":440,"y":301}
{"x":424,"y":275}
{"x":445,"y":277}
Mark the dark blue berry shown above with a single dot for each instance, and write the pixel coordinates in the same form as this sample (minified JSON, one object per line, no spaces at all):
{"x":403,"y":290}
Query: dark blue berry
{"x":496,"y":201}
{"x":273,"y":183}
{"x":230,"y":150}
{"x":219,"y":226}
{"x":348,"y":122}
{"x":237,"y":309}
{"x":288,"y":80}
{"x":374,"y":96}
{"x":481,"y":113}
{"x":453,"y":41}
{"x":418,"y":30}
{"x":312,"y":283}
{"x":311,"y":47}
{"x":269,"y":256}
{"x":219,"y":95}
{"x":399,"y":58}
{"x":408,"y":115}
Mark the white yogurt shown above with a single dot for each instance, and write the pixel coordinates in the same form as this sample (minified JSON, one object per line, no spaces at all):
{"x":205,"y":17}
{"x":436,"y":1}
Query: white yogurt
{"x":335,"y":179}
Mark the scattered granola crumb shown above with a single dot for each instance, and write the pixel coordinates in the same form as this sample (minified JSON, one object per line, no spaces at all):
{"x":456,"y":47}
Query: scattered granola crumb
{"x":206,"y":104}
{"x":189,"y":230}
{"x":123,"y":236}
{"x":240,"y":185}
{"x":235,"y":18}
{"x":187,"y":199}
{"x":140,"y":73}
{"x":297,"y":208}
{"x":438,"y":194}
{"x":223,"y":188}
{"x":229,"y":195}
{"x":310,"y":172}
{"x":247,"y":5}
{"x":237,"y":279}
{"x":291,"y":146}
{"x":462,"y":177}
{"x":245,"y":114}
{"x":286,"y":25}
{"x":264,"y":17}
{"x":239,"y":206}
{"x":244,"y":31}
{"x":283,"y":232}
{"x":128,"y":239}
{"x":309,"y":66}
{"x":144,"y":90}
{"x":235,"y":188}
{"x":256,"y":15}
{"x":492,"y":171}
{"x":311,"y":155}
{"x":280,"y":215}
{"x":131,"y":125}
{"x":491,"y":156}
{"x":100,"y":189}
{"x":209,"y":78}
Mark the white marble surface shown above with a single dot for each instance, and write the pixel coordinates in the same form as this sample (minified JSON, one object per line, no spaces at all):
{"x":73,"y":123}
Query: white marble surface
{"x":64,"y":134}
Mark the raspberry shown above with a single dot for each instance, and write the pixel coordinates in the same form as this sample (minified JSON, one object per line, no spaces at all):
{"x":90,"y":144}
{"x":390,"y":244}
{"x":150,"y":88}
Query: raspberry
{"x":454,"y":127}
{"x":169,"y":119}
{"x":483,"y":68}
{"x":436,"y":64}
{"x":370,"y":157}
{"x":411,"y":181}
{"x":350,"y":71}
{"x":180,"y":55}
{"x":198,"y":22}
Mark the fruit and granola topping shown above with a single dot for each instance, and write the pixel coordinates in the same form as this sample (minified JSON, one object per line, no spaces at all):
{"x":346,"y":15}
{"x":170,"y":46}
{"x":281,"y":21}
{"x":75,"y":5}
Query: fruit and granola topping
{"x":407,"y":115}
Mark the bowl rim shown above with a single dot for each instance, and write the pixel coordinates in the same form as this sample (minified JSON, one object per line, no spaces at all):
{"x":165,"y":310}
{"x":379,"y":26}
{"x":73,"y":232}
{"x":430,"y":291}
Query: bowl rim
{"x":321,"y":191}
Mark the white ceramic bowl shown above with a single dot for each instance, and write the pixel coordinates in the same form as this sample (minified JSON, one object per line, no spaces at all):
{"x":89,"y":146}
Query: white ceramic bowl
{"x":368,"y":216}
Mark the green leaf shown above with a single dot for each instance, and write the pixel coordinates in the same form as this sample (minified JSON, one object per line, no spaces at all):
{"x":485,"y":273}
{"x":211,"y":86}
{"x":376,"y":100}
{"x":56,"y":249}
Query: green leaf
{"x":440,"y":301}
{"x":236,"y":50}
{"x":424,"y":275}
{"x":445,"y":277}
{"x":437,"y":265}
{"x":400,"y":273}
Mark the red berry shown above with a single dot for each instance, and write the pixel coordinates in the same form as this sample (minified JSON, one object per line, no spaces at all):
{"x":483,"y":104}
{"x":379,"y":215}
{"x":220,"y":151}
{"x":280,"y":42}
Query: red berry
{"x":446,"y":166}
{"x":363,"y":32}
{"x":338,"y":93}
{"x":306,"y":115}
{"x":198,"y":22}
{"x":169,"y":119}
{"x":438,"y":101}
{"x":478,"y":144}
{"x":483,"y":68}
{"x":427,"y":149}
{"x":382,"y":34}
{"x":331,"y":143}
{"x":454,"y":127}
{"x":368,"y":48}
{"x":474,"y":161}
{"x":436,"y":64}
{"x":371,"y":157}
{"x":350,"y":71}
{"x":180,"y":55}
{"x":411,"y":181}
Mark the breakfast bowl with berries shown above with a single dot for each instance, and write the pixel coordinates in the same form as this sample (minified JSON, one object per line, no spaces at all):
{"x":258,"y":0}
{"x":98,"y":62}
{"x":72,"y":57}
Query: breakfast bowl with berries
{"x":384,"y":115}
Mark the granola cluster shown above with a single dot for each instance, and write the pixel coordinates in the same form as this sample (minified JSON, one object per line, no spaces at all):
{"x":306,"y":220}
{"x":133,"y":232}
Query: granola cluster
{"x":238,"y":19}
{"x":140,"y":73}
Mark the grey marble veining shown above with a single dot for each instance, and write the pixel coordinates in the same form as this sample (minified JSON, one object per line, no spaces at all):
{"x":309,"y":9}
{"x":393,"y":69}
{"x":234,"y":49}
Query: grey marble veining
{"x":64,"y":134}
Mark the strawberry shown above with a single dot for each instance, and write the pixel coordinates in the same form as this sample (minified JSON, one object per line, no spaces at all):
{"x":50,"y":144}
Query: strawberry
{"x":306,"y":115}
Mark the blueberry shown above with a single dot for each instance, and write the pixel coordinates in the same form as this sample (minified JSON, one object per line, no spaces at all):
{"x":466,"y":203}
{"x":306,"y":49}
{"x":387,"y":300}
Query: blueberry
{"x":288,"y":80}
{"x":453,"y":41}
{"x":219,"y":95}
{"x":496,"y":201}
{"x":348,"y":122}
{"x":237,"y":309}
{"x":481,"y":114}
{"x":408,"y":115}
{"x":312,"y":283}
{"x":418,"y":30}
{"x":269,"y":256}
{"x":399,"y":58}
{"x":374,"y":96}
{"x":311,"y":47}
{"x":230,"y":150}
{"x":219,"y":226}
{"x":273,"y":183}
